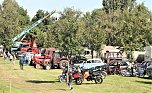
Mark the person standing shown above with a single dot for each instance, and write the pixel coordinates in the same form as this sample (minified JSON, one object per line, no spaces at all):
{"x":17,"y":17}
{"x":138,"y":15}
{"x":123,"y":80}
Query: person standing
{"x":11,"y":58}
{"x":70,"y":76}
{"x":14,"y":57}
{"x":21,"y":62}
{"x":5,"y":56}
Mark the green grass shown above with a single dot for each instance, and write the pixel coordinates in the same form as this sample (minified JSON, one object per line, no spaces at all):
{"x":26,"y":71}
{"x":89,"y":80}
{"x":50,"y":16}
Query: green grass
{"x":31,"y":80}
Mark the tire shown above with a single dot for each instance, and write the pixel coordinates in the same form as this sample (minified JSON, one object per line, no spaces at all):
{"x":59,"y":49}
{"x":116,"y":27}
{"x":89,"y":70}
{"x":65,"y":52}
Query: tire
{"x":78,"y":81}
{"x":37,"y":66}
{"x":150,"y":76}
{"x":31,"y":64}
{"x":55,"y":66}
{"x":48,"y":67}
{"x":104,"y":74}
{"x":98,"y":80}
{"x":141,"y":75}
{"x":63,"y":64}
{"x":61,"y":79}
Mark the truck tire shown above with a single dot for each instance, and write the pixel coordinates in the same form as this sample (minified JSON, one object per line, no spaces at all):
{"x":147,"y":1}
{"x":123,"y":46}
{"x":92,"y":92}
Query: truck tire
{"x":63,"y":64}
{"x":37,"y":66}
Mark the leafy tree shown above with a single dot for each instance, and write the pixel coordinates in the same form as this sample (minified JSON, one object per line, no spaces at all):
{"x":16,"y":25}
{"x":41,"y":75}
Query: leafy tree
{"x":42,"y":28}
{"x":65,"y":31}
{"x":12,"y":19}
{"x":135,"y":28}
{"x":112,"y":5}
{"x":94,"y":35}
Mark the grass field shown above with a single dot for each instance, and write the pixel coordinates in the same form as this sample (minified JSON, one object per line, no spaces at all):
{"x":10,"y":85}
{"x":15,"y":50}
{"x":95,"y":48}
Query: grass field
{"x":31,"y":80}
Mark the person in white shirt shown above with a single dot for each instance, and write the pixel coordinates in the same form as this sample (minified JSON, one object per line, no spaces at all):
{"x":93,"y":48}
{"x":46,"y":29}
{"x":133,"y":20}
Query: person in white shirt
{"x":11,"y":58}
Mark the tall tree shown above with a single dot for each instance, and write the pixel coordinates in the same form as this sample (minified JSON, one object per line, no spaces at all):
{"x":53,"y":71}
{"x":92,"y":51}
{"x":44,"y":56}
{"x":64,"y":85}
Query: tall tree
{"x":65,"y":31}
{"x":41,"y":30}
{"x":136,"y":27}
{"x":12,"y":21}
{"x":113,"y":10}
{"x":112,"y":5}
{"x":94,"y":36}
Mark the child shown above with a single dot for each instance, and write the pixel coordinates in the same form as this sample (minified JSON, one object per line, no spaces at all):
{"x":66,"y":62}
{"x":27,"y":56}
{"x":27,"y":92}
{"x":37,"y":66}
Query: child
{"x":11,"y":58}
{"x":5,"y":56}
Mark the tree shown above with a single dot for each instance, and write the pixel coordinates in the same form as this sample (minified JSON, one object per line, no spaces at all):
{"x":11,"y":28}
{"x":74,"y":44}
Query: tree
{"x":113,"y":5}
{"x":94,"y":35}
{"x":41,"y":30}
{"x":65,"y":31}
{"x":12,"y":20}
{"x":135,"y":28}
{"x":113,"y":10}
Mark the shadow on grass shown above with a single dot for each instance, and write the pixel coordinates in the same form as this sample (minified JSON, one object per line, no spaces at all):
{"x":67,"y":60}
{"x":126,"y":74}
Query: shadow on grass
{"x":149,"y":78}
{"x":62,"y":89}
{"x":40,"y":81}
{"x":88,"y":83}
{"x":16,"y":69}
{"x":145,"y":82}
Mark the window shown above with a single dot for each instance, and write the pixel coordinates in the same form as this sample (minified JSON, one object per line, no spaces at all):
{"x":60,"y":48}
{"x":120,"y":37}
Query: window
{"x":149,"y":63}
{"x":56,"y":55}
{"x":88,"y":61}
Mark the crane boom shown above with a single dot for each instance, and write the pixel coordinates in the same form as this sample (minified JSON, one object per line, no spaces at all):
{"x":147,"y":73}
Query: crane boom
{"x":27,"y":30}
{"x":17,"y":39}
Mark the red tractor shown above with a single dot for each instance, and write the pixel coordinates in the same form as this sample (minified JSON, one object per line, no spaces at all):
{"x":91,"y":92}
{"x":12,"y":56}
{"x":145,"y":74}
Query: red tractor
{"x":49,"y":58}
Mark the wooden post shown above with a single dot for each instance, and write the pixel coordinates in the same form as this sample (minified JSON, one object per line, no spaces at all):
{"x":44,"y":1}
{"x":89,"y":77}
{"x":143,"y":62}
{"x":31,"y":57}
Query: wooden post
{"x":10,"y":86}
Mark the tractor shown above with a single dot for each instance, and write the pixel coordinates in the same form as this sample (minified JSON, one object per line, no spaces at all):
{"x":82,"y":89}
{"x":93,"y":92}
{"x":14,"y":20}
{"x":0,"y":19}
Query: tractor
{"x":50,"y":58}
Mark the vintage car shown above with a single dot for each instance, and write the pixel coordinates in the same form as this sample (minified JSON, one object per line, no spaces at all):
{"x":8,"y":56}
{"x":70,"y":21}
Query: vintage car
{"x":145,"y":68}
{"x":115,"y":66}
{"x":90,"y":63}
{"x":149,"y":70}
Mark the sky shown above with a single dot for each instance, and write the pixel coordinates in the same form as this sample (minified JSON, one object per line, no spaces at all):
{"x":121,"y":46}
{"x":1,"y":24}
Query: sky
{"x":32,"y":6}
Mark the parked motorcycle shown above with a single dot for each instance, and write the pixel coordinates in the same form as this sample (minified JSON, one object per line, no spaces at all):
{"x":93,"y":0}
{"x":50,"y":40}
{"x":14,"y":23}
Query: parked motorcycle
{"x":77,"y":76}
{"x":129,"y":72}
{"x":102,"y":70}
{"x":92,"y":74}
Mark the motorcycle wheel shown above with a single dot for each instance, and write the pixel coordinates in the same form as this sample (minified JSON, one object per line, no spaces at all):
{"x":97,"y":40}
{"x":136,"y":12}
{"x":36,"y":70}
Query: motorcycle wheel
{"x":104,"y":74}
{"x":141,"y":75}
{"x":78,"y":81}
{"x":61,"y":79}
{"x":98,"y":80}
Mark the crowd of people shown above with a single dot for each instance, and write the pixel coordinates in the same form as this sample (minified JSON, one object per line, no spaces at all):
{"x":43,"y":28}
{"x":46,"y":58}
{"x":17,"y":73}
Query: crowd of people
{"x":11,"y":56}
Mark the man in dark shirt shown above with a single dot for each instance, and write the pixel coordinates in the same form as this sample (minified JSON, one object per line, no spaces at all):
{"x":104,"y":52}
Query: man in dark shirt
{"x":22,"y":60}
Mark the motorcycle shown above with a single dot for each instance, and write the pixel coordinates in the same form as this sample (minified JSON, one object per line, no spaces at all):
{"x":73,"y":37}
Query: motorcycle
{"x":102,"y":70}
{"x":129,"y":72}
{"x":95,"y":75}
{"x":77,"y":76}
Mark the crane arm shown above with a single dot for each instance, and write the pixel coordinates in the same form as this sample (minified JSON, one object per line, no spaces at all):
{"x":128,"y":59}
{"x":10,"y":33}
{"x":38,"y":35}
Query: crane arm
{"x":27,"y":30}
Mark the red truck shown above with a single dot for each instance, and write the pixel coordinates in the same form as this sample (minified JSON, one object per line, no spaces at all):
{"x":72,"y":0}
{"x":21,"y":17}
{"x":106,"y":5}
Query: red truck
{"x":29,"y":46}
{"x":50,"y":58}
